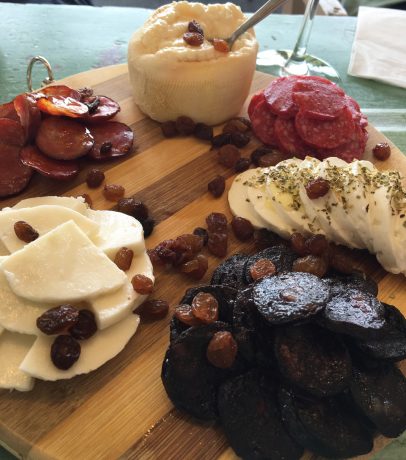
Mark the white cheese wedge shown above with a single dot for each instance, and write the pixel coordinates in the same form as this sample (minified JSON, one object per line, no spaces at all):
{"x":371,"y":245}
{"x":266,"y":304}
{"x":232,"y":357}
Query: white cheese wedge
{"x":62,"y":266}
{"x":97,"y":350}
{"x":42,"y":218}
{"x":111,"y":308}
{"x":13,"y":349}
{"x":16,"y":313}
{"x":3,"y":250}
{"x":78,"y":204}
{"x":117,"y":230}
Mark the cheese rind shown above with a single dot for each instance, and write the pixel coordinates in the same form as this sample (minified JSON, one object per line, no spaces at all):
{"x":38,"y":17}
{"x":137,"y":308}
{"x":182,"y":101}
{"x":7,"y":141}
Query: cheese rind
{"x":62,"y":266}
{"x":96,"y":351}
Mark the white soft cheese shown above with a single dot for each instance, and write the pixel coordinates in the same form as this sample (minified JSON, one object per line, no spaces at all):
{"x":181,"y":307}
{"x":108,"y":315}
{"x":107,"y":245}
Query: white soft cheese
{"x":171,"y":78}
{"x":78,"y":204}
{"x":96,"y":351}
{"x":62,"y":266}
{"x":42,"y":218}
{"x":13,"y":349}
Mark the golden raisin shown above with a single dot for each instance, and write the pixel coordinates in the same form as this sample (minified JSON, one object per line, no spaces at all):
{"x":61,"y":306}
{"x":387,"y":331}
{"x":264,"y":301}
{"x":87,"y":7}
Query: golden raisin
{"x":153,"y":309}
{"x":220,"y":45}
{"x":184,"y":314}
{"x":222,"y":350}
{"x":317,"y":188}
{"x":262,"y":268}
{"x":124,"y":258}
{"x":196,"y":268}
{"x":205,"y":308}
{"x":311,"y":264}
{"x":142,"y":284}
{"x":228,"y":155}
{"x":113,"y":192}
{"x":25,"y":232}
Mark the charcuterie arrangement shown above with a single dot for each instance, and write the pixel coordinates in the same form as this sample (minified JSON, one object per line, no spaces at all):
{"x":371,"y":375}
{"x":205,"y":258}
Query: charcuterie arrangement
{"x":50,"y":130}
{"x":290,"y":361}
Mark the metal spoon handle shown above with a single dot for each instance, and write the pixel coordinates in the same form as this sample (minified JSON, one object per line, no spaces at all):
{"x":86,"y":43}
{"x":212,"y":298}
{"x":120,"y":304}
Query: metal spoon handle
{"x":262,"y":13}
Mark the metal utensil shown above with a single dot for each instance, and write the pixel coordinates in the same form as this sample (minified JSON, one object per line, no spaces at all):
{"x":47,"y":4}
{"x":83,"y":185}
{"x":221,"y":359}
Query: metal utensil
{"x":48,"y":80}
{"x":262,"y":13}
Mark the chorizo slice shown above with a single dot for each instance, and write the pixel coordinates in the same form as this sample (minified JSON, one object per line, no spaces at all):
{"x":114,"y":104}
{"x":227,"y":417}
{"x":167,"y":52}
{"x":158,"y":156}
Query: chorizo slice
{"x":29,"y":115}
{"x":278,"y":95}
{"x":63,"y":139}
{"x":263,"y":124}
{"x":54,"y":169}
{"x":255,"y":100}
{"x":7,"y":110}
{"x":100,"y":108}
{"x":62,"y":106}
{"x":352,"y":150}
{"x":289,"y":140}
{"x":11,"y":132}
{"x":112,"y":139}
{"x":14,"y":175}
{"x":60,"y":90}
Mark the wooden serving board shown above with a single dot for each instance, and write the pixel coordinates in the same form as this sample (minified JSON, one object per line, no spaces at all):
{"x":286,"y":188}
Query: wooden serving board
{"x":121,"y":410}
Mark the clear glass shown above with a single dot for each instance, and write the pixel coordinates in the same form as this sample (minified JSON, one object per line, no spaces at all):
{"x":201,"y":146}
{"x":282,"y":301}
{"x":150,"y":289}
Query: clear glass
{"x":297,"y":61}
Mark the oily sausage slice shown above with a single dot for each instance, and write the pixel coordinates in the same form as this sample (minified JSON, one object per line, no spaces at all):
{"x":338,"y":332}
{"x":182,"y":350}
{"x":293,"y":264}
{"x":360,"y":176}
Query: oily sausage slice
{"x":60,"y":105}
{"x":111,"y":140}
{"x":29,"y":115}
{"x":60,"y":90}
{"x":11,"y":132}
{"x":288,"y":139}
{"x":55,"y":169}
{"x":7,"y":110}
{"x":14,"y":175}
{"x":101,"y":108}
{"x":63,"y":139}
{"x":255,"y":100}
{"x":263,"y":123}
{"x":279,"y":96}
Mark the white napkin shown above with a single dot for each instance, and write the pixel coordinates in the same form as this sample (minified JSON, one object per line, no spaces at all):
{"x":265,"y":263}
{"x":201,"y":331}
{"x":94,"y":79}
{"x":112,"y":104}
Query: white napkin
{"x":379,"y":48}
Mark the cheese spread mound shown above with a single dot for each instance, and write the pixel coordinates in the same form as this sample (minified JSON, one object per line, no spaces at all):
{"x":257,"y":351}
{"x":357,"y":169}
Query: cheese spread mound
{"x":71,"y":261}
{"x":171,"y":78}
{"x":364,"y":208}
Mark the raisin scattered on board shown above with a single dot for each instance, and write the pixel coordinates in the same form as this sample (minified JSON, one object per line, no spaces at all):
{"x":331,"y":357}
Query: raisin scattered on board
{"x":204,"y":132}
{"x":185,"y":125}
{"x":87,"y":198}
{"x":381,"y":151}
{"x":25,"y":232}
{"x":168,"y":129}
{"x":242,"y":165}
{"x":228,"y":155}
{"x":153,"y":309}
{"x":242,"y":228}
{"x":216,"y":222}
{"x":65,"y":351}
{"x":94,"y":178}
{"x":133,"y":207}
{"x":148,"y":226}
{"x":113,"y":192}
{"x":217,"y":186}
{"x":202,"y":232}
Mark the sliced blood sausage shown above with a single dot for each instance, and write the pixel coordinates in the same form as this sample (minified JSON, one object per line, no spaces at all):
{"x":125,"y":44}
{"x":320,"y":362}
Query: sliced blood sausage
{"x":29,"y":115}
{"x":250,"y":418}
{"x":231,"y":272}
{"x":356,"y":313}
{"x":105,"y":108}
{"x":224,"y":295}
{"x":14,"y":175}
{"x":313,"y":359}
{"x":63,"y":139}
{"x":60,"y":90}
{"x":263,"y":121}
{"x":278,"y":95}
{"x":381,"y":395}
{"x":8,"y":111}
{"x":319,"y":99}
{"x":111,"y":140}
{"x":289,"y":140}
{"x":326,"y":133}
{"x":280,"y":255}
{"x":326,"y":426}
{"x":62,"y":106}
{"x":190,"y":381}
{"x":255,"y":100}
{"x":55,"y":169}
{"x":11,"y":132}
{"x":392,"y":345}
{"x":358,"y":280}
{"x":352,"y":150}
{"x":290,"y":297}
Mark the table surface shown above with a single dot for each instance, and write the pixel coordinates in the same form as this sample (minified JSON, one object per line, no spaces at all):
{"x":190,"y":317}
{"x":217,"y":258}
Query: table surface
{"x":75,"y":39}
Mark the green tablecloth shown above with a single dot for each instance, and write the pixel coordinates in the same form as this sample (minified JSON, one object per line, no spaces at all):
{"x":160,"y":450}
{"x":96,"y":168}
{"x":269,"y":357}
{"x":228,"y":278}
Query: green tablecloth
{"x":75,"y":39}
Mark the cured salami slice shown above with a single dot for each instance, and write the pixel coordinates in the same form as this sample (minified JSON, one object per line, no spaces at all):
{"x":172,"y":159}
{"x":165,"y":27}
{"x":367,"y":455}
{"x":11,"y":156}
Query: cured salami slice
{"x":318,"y":99}
{"x":289,"y":140}
{"x":55,"y":169}
{"x":59,"y":105}
{"x":63,"y":138}
{"x":326,"y":134}
{"x":279,"y":96}
{"x":263,"y":121}
{"x":60,"y":90}
{"x":8,"y":111}
{"x":101,"y":108}
{"x":11,"y":132}
{"x":14,"y":175}
{"x":29,"y":115}
{"x":352,"y":150}
{"x":255,"y":100}
{"x":111,"y":140}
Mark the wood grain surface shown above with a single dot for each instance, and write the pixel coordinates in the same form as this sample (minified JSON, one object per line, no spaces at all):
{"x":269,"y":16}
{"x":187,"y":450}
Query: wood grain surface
{"x":121,"y":410}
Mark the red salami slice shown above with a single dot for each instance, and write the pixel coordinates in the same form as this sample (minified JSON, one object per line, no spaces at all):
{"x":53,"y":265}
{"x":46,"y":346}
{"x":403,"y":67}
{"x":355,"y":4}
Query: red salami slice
{"x":11,"y":132}
{"x":8,"y":111}
{"x":352,"y":150}
{"x":289,"y":140}
{"x":29,"y":115}
{"x":255,"y":100}
{"x":101,"y":108}
{"x":60,"y":90}
{"x":59,"y":105}
{"x":55,"y":169}
{"x":326,"y":134}
{"x":14,"y":175}
{"x":263,"y":121}
{"x":111,"y":140}
{"x":279,"y":96}
{"x":63,"y":138}
{"x":318,"y":99}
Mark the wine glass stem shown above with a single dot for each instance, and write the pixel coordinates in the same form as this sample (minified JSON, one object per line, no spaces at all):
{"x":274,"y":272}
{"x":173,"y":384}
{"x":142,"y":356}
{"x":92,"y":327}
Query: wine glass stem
{"x":302,"y":41}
